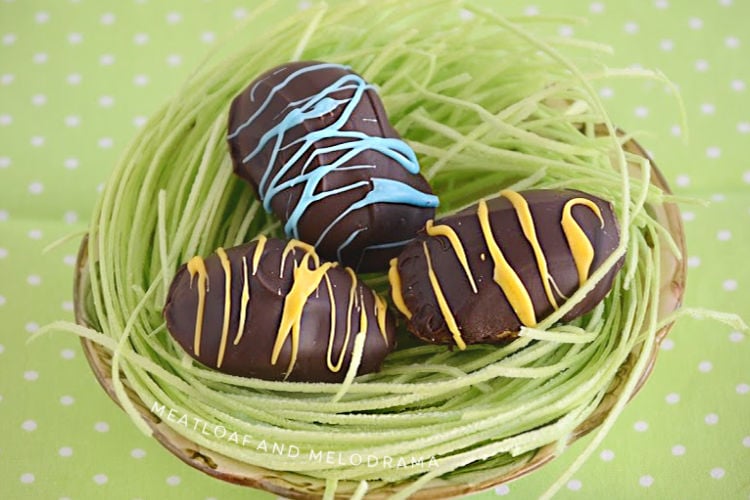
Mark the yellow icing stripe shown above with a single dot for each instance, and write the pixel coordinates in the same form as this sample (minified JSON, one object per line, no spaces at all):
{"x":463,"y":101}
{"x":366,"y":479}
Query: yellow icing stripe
{"x":225,"y":264}
{"x":458,"y":248}
{"x":523,"y":212}
{"x":196,"y":265}
{"x":243,"y":301}
{"x":331,"y":336}
{"x":332,"y":329}
{"x":580,"y":246}
{"x":380,"y":312}
{"x":306,"y":281}
{"x":258,"y":252}
{"x":291,"y":247}
{"x":445,"y":309}
{"x":504,"y":275}
{"x":395,"y":279}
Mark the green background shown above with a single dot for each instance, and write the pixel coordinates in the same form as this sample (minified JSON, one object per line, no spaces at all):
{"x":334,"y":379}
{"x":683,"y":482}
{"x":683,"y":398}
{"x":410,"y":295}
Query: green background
{"x":78,"y":77}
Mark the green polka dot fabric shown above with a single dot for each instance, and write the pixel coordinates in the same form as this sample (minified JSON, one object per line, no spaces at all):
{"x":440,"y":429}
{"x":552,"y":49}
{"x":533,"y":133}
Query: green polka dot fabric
{"x":77,"y":79}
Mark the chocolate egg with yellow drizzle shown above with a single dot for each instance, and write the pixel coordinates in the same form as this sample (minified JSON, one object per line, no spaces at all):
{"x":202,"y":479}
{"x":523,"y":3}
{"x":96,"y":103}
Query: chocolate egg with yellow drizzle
{"x":480,"y":275}
{"x":272,"y":309}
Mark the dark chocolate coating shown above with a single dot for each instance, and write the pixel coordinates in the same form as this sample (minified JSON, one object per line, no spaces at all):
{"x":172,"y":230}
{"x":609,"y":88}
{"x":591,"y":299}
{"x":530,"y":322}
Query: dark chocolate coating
{"x":301,"y":117}
{"x":268,"y":292}
{"x":488,"y":316}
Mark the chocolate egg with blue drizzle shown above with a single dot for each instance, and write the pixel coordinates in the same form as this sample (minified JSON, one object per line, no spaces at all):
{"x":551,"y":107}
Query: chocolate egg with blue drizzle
{"x":480,"y":275}
{"x":272,"y":309}
{"x":314,"y":140}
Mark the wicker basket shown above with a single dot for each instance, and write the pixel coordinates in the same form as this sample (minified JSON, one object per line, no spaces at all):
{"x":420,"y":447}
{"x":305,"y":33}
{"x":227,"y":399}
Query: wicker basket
{"x":672,"y":285}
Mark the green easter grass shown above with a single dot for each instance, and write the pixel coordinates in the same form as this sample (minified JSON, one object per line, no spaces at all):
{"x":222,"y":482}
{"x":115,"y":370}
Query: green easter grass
{"x":486,"y":105}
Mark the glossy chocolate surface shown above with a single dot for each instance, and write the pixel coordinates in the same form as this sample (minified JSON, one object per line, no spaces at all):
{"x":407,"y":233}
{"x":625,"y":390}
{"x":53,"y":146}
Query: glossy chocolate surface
{"x":271,"y":309}
{"x":314,"y":141}
{"x":481,"y":274}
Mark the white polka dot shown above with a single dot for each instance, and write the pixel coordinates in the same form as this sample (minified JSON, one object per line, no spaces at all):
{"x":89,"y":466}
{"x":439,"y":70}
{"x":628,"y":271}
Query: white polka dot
{"x":695,"y":23}
{"x":101,"y":427}
{"x":27,"y":478}
{"x":106,"y":101}
{"x":37,"y":141}
{"x":5,"y":162}
{"x":30,"y":375}
{"x":174,"y":60}
{"x":676,"y":130}
{"x":746,"y":441}
{"x":701,"y":65}
{"x":72,"y":120}
{"x":732,"y":42}
{"x":708,"y":108}
{"x":74,"y":79}
{"x":724,"y":235}
{"x":41,"y":17}
{"x":666,"y":45}
{"x":661,"y":4}
{"x":9,"y":38}
{"x":2,"y":348}
{"x":174,"y":17}
{"x":137,"y":453}
{"x":139,"y":121}
{"x":107,"y":18}
{"x":711,"y":419}
{"x":742,"y":388}
{"x":2,"y":300}
{"x":70,"y":217}
{"x":34,"y":279}
{"x":75,"y":38}
{"x":69,"y":260}
{"x":71,"y":163}
{"x":140,"y":80}
{"x":574,"y":485}
{"x":672,"y":398}
{"x":743,"y":127}
{"x":726,"y":3}
{"x":4,"y":215}
{"x":717,"y":473}
{"x":641,"y":111}
{"x":596,"y":7}
{"x":3,"y":253}
{"x":31,"y":327}
{"x":35,"y":234}
{"x":631,"y":27}
{"x":646,"y":481}
{"x":683,"y":180}
{"x":106,"y":59}
{"x":736,"y":337}
{"x":667,"y":345}
{"x":737,"y":85}
{"x":66,"y":400}
{"x":39,"y":58}
{"x":713,"y":152}
{"x":65,"y":451}
{"x":678,"y":450}
{"x":718,"y":197}
{"x":67,"y":305}
{"x":705,"y":366}
{"x":173,"y":480}
{"x":640,"y":426}
{"x":140,"y":38}
{"x":208,"y":36}
{"x":67,"y":354}
{"x":607,"y":455}
{"x":28,"y":425}
{"x":502,"y":490}
{"x":105,"y":142}
{"x":305,"y":4}
{"x":239,"y":13}
{"x":7,"y":78}
{"x":100,"y":478}
{"x":566,"y":31}
{"x":729,"y":285}
{"x":606,"y":92}
{"x":6,"y":120}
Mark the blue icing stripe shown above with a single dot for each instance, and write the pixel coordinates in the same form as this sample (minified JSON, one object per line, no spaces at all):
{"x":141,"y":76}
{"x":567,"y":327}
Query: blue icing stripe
{"x":313,"y":107}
